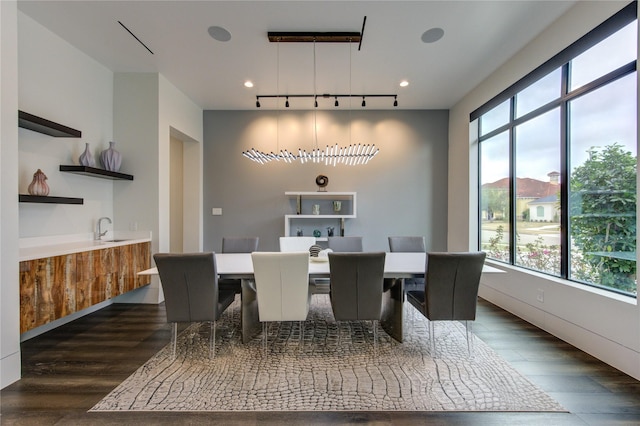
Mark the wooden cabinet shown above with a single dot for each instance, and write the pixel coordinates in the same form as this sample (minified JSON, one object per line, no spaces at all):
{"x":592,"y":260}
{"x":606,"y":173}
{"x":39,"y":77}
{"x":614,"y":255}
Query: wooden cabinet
{"x":54,"y":287}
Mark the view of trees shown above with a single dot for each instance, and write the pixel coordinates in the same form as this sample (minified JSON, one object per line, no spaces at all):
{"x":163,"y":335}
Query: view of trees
{"x":602,"y":220}
{"x":603,"y":215}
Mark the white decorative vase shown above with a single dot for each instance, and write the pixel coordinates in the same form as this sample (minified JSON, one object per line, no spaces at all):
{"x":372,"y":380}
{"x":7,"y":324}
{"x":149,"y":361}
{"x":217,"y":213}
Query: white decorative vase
{"x":39,"y":185}
{"x":111,"y":159}
{"x":86,"y":158}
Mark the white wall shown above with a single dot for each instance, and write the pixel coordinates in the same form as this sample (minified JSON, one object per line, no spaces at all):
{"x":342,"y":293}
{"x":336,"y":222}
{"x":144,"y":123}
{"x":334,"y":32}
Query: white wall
{"x":181,"y":118}
{"x":147,"y":111}
{"x":62,"y":84}
{"x":9,"y":290}
{"x":45,"y":76}
{"x":176,"y":199}
{"x":602,"y":324}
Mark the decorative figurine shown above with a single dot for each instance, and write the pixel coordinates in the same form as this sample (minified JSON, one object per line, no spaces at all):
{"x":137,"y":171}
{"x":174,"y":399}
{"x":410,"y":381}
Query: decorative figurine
{"x":322,"y":181}
{"x":111,"y":159}
{"x":38,"y":185}
{"x":86,"y":158}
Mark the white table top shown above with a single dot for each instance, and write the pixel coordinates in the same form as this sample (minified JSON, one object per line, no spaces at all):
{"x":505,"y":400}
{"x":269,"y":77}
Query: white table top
{"x":395,"y":265}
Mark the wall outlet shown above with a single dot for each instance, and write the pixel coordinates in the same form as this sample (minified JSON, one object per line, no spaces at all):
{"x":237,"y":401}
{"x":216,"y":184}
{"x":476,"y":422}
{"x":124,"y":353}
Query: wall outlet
{"x":216,"y":211}
{"x":540,"y":295}
{"x":133,"y":226}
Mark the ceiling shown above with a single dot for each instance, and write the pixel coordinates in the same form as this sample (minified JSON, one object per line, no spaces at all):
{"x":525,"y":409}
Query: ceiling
{"x":479,"y":36}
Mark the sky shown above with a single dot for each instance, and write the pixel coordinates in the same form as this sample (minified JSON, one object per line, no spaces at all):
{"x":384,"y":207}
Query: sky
{"x":599,"y":118}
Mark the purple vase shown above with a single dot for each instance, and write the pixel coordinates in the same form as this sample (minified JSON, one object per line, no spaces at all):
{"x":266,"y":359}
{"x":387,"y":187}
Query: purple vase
{"x":86,"y":158}
{"x":111,"y":159}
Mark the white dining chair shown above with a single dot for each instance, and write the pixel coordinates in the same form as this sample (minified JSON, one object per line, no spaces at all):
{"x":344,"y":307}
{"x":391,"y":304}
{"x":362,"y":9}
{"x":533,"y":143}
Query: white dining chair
{"x":282,"y":286}
{"x":296,"y":243}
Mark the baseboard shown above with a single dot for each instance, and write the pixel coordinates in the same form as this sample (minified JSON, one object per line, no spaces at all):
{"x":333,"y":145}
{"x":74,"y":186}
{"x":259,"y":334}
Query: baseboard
{"x":613,"y":353}
{"x":10,"y":370}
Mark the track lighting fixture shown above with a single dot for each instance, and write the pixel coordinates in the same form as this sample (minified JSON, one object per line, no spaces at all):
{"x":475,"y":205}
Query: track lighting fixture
{"x":395,"y":101}
{"x":329,"y":96}
{"x":350,"y":155}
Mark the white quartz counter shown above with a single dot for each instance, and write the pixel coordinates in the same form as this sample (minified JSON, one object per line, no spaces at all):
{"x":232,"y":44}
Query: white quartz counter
{"x":40,"y":247}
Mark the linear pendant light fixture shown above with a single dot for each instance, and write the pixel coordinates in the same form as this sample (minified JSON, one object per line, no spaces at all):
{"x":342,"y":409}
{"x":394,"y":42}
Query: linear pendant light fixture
{"x":349,"y":155}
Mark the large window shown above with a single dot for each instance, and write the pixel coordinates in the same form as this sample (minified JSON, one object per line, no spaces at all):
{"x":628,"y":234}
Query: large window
{"x":558,"y":163}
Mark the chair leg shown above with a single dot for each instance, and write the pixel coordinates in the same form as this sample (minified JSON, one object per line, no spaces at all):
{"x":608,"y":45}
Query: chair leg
{"x":432,"y":338}
{"x":301,"y":336}
{"x":468,"y":325}
{"x":212,"y":340}
{"x":375,"y":337}
{"x":264,"y":338}
{"x":174,"y":338}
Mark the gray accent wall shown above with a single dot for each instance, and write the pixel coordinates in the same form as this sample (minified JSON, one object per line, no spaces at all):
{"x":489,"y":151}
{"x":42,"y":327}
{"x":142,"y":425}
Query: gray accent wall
{"x":402,"y":191}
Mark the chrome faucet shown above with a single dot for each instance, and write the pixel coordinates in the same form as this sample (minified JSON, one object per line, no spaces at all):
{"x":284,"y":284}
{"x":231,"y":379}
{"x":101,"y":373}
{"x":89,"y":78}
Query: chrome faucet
{"x":97,"y":235}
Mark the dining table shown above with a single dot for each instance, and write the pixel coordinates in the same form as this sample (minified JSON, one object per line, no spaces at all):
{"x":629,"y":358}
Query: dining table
{"x":397,"y":266}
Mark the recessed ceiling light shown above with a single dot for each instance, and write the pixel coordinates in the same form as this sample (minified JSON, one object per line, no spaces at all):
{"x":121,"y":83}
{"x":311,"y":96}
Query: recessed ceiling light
{"x":432,"y":35}
{"x":248,"y":84}
{"x":404,"y":83}
{"x":219,"y":33}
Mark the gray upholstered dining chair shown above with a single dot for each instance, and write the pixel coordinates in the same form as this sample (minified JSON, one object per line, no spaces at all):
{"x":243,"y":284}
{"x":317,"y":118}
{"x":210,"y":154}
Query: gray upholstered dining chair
{"x":450,"y":290}
{"x":407,"y":245}
{"x":237,"y":245}
{"x":190,"y":286}
{"x":356,"y":287}
{"x":282,"y":287}
{"x":345,"y":244}
{"x":240,"y":244}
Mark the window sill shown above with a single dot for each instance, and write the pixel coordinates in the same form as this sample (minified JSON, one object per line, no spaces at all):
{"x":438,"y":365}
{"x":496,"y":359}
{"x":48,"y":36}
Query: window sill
{"x":556,"y":280}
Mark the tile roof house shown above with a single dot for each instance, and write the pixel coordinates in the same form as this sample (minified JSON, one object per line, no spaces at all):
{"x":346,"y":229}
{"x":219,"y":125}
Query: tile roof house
{"x":527,"y":191}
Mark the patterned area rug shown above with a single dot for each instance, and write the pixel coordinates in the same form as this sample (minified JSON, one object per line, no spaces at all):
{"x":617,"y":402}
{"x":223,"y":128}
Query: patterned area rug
{"x":338,"y":367}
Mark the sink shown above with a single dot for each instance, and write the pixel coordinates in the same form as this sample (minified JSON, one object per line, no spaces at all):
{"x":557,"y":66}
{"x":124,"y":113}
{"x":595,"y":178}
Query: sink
{"x":113,"y":241}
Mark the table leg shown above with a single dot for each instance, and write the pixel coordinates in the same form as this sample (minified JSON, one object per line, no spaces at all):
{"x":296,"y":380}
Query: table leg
{"x":250,"y":320}
{"x":392,"y":301}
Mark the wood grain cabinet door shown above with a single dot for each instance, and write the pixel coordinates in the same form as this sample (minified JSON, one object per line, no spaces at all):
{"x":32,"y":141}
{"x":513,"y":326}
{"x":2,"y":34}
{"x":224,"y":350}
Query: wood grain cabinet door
{"x":54,"y":287}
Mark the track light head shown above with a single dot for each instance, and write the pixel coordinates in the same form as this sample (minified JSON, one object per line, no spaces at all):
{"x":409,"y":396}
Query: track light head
{"x":315,"y":103}
{"x":364,"y":104}
{"x":286,"y":104}
{"x":257,"y":102}
{"x":395,"y":101}
{"x":336,"y":103}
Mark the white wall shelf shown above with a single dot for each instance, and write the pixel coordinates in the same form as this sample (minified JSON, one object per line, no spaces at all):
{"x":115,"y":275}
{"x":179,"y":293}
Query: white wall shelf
{"x":302,"y":204}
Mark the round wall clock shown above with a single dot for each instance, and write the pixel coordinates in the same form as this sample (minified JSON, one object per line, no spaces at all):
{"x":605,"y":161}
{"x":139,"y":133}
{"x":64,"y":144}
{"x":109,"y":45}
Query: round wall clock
{"x":322,"y":181}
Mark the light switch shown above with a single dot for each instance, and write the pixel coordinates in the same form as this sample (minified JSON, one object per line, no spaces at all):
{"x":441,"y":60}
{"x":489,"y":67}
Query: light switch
{"x":216,"y":211}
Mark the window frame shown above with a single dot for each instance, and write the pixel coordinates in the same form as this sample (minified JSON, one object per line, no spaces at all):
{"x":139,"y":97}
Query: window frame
{"x":560,"y":61}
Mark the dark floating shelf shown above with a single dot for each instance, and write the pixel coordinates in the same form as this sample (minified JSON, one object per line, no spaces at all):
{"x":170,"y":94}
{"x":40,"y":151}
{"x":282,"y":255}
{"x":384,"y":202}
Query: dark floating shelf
{"x":42,"y":125}
{"x":25,"y":198}
{"x":93,"y":171}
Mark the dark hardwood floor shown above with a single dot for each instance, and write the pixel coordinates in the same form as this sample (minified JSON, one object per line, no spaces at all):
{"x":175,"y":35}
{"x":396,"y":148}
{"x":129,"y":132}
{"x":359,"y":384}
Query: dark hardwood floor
{"x":68,"y":370}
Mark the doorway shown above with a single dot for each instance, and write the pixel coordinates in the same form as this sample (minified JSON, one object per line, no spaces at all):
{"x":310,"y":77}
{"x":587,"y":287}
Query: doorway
{"x":185,"y":193}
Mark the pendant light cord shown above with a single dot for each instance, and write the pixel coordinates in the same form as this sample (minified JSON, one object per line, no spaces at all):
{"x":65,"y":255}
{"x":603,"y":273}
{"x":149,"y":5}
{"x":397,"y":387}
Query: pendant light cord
{"x":278,"y":97}
{"x":315,"y":98}
{"x":350,"y":93}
